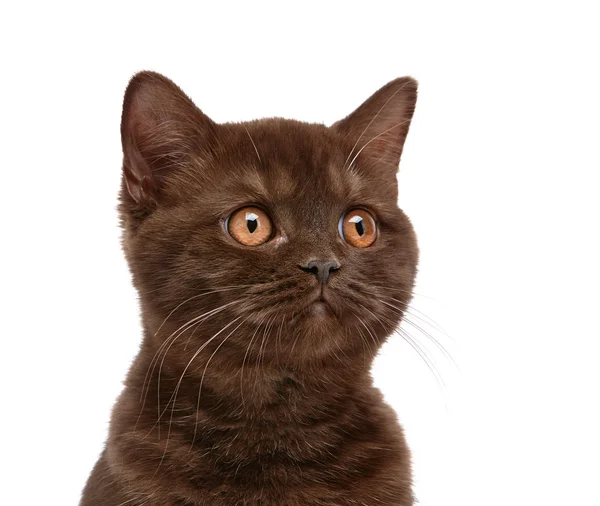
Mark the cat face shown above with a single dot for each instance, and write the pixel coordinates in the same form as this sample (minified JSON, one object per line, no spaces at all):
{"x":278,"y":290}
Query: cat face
{"x":283,"y":233}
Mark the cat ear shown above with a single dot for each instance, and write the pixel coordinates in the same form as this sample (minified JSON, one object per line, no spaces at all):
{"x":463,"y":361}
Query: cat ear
{"x":378,"y":128}
{"x":160,"y":128}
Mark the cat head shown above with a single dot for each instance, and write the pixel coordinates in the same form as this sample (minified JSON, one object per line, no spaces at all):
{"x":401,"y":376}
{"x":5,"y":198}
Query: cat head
{"x":275,"y":231}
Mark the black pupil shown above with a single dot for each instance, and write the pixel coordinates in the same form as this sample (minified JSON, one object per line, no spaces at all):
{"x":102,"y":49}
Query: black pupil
{"x":360,"y":227}
{"x":252,"y":224}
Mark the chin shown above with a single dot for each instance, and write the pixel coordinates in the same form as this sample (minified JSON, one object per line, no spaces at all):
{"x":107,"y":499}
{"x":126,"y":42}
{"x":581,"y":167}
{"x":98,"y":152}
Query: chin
{"x":316,"y":332}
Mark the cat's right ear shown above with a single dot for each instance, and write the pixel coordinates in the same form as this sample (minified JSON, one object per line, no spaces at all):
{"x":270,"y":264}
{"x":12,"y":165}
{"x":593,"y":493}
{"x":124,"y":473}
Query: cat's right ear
{"x":160,"y":129}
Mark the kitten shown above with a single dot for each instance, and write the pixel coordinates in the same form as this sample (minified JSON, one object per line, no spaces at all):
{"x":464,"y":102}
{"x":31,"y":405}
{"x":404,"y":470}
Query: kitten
{"x":272,"y":262}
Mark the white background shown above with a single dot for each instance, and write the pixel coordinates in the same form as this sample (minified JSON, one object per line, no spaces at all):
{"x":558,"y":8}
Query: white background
{"x":499,"y":175}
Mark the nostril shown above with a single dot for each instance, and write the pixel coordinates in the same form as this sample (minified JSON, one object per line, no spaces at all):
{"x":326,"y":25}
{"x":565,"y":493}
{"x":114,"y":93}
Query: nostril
{"x":321,"y":269}
{"x":308,"y":268}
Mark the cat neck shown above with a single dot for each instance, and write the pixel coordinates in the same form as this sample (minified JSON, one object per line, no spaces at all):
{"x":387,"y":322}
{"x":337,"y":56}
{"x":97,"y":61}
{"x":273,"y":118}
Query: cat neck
{"x":224,"y":385}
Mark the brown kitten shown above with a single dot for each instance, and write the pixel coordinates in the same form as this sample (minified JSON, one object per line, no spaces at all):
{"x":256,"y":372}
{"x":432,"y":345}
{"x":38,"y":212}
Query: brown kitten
{"x":271,"y":262}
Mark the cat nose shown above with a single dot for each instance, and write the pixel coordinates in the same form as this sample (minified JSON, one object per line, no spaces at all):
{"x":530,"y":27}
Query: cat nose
{"x":321,"y":269}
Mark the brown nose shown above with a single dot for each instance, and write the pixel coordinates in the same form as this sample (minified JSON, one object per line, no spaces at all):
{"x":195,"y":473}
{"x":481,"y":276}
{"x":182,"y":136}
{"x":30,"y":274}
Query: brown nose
{"x":321,"y":269}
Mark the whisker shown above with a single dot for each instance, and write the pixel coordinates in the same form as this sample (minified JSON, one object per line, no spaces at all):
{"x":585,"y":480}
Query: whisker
{"x":364,"y":341}
{"x":173,"y":398}
{"x":219,"y":290}
{"x":424,"y":356}
{"x":198,"y":351}
{"x":167,"y":344}
{"x":265,"y":333}
{"x":164,"y":321}
{"x":196,"y":324}
{"x":439,"y":345}
{"x":422,"y":352}
{"x":410,"y":309}
{"x":202,"y":380}
{"x":368,"y":329}
{"x":397,"y":289}
{"x":278,"y":340}
{"x":246,"y":356}
{"x":423,"y":331}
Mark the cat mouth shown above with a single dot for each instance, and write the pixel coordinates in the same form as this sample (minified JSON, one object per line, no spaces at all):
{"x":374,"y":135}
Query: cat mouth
{"x":320,"y":303}
{"x":318,"y":308}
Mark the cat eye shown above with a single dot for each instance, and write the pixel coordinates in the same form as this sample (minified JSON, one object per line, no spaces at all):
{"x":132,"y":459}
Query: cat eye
{"x":250,"y":226}
{"x":358,"y":228}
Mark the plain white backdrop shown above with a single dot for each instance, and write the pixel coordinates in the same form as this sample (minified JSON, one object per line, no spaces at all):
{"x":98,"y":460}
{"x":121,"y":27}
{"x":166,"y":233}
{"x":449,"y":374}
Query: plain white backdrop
{"x":499,"y":175}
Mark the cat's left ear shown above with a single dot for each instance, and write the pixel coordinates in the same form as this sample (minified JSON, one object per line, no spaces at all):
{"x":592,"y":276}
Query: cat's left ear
{"x":378,"y":128}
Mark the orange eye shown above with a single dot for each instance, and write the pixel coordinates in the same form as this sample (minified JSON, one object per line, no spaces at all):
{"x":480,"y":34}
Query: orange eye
{"x":250,"y":226}
{"x":358,"y":228}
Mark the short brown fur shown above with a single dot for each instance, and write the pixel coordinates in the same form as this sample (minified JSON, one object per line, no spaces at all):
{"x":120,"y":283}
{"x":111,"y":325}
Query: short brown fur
{"x":267,"y":399}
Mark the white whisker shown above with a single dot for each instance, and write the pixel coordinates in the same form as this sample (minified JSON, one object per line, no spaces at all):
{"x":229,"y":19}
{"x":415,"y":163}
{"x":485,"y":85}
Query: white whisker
{"x":173,"y":398}
{"x":202,"y":379}
{"x":246,"y":356}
